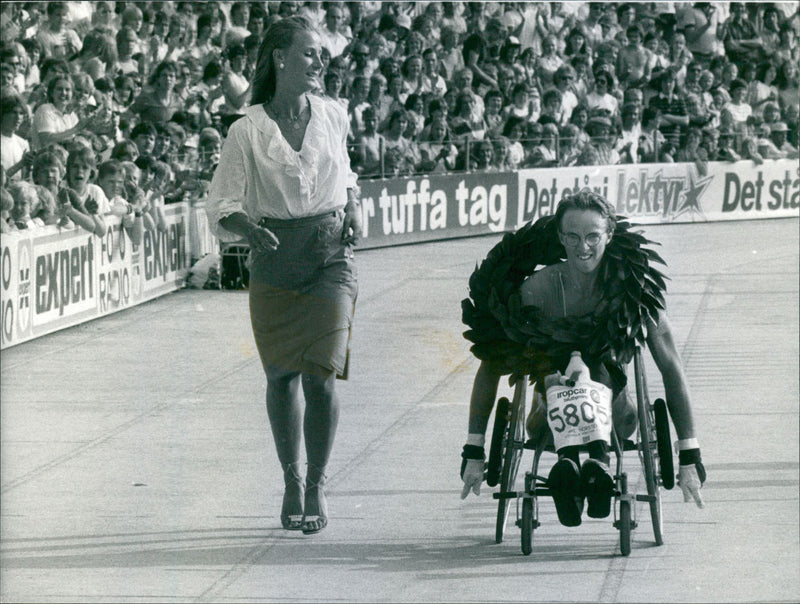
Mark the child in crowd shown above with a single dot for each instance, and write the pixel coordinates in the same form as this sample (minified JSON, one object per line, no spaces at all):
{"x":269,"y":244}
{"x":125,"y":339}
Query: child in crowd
{"x":65,"y":207}
{"x":156,"y":180}
{"x":111,"y":179}
{"x":15,"y":154}
{"x":6,"y":205}
{"x":81,"y":170}
{"x":23,"y":214}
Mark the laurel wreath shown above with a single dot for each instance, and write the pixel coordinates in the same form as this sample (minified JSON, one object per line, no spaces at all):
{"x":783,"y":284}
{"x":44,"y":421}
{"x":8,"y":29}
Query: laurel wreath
{"x":520,"y":341}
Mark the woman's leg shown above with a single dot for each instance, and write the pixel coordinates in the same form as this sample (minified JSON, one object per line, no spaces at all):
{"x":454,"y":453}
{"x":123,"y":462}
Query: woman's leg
{"x":284,"y":411}
{"x":319,"y":424}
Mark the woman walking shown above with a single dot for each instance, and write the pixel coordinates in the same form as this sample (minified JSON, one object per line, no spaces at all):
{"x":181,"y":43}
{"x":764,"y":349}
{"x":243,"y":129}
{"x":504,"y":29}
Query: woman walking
{"x":284,"y":184}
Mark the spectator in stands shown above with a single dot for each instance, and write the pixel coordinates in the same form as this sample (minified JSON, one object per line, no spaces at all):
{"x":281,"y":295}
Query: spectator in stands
{"x":59,"y":203}
{"x":521,"y":104}
{"x":514,"y":130}
{"x":15,"y":154}
{"x":628,"y":142}
{"x":761,"y":88}
{"x":58,"y":40}
{"x":551,"y":106}
{"x":545,"y":154}
{"x":789,"y":86}
{"x":740,"y":36}
{"x":778,"y":136}
{"x":56,"y":121}
{"x":482,"y":156}
{"x":493,"y":119}
{"x":89,"y":199}
{"x":501,"y":147}
{"x":27,"y":211}
{"x":738,"y":109}
{"x":673,"y":116}
{"x":562,"y":80}
{"x":569,"y":147}
{"x":6,"y":205}
{"x":158,"y":102}
{"x":699,"y":26}
{"x":235,"y":86}
{"x":549,"y":62}
{"x":34,"y":51}
{"x":651,"y":142}
{"x":368,"y":148}
{"x":127,"y":42}
{"x":394,"y":137}
{"x":601,"y":98}
{"x":331,"y":35}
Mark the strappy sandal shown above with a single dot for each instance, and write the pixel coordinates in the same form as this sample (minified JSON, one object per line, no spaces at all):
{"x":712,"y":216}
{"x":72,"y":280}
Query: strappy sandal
{"x":291,"y":478}
{"x":314,"y":523}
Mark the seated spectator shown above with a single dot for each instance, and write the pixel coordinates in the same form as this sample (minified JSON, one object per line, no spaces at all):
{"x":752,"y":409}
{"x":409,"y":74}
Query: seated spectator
{"x":156,"y":180}
{"x":778,"y":136}
{"x":235,"y":85}
{"x":569,"y":147}
{"x":482,"y":156}
{"x":710,"y":143}
{"x":692,"y":151}
{"x":58,"y":40}
{"x":562,"y":80}
{"x":673,"y":116}
{"x":726,"y":152}
{"x":750,"y":150}
{"x":633,"y":61}
{"x":368,"y":145}
{"x":699,"y":116}
{"x":788,"y":85}
{"x":501,"y":148}
{"x":437,"y":153}
{"x":652,"y":143}
{"x":415,"y":109}
{"x":394,"y":138}
{"x":125,"y":150}
{"x":158,"y":102}
{"x":127,"y":42}
{"x":144,"y":135}
{"x":514,"y":130}
{"x":89,"y":199}
{"x":601,"y":132}
{"x":552,"y":105}
{"x":631,"y":132}
{"x":56,"y":121}
{"x":15,"y":155}
{"x":601,"y":97}
{"x":27,"y":211}
{"x":333,"y":87}
{"x":56,"y":203}
{"x":493,"y":119}
{"x":111,"y":179}
{"x":549,"y":62}
{"x":7,"y":225}
{"x":545,"y":154}
{"x":580,"y":116}
{"x":738,"y":109}
{"x":463,"y":124}
{"x":432,"y":80}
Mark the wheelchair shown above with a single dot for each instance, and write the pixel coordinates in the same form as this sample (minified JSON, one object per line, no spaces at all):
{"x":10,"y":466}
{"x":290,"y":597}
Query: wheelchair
{"x":508,"y":444}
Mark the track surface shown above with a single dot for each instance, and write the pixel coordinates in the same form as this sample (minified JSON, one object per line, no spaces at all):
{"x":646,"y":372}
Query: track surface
{"x":137,"y":463}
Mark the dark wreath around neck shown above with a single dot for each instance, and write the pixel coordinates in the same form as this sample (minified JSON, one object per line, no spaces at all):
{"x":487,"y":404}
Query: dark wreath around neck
{"x":521,"y":341}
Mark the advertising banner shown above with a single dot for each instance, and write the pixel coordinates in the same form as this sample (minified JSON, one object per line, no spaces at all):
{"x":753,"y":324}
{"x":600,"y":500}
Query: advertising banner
{"x":670,"y":193}
{"x":426,"y":208}
{"x":53,"y":278}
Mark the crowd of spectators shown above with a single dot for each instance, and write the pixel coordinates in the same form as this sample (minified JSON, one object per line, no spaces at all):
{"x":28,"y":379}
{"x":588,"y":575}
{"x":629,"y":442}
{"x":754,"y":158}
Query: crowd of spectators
{"x":121,"y":107}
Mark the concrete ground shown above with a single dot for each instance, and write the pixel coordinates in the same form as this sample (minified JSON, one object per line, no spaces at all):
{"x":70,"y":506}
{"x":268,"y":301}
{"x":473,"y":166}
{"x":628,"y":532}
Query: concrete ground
{"x":137,"y":462}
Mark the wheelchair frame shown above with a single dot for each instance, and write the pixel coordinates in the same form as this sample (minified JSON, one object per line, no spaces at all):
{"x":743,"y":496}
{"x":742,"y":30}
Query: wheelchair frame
{"x":653,"y":447}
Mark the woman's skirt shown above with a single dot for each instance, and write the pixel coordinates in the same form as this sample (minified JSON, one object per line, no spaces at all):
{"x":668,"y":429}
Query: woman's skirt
{"x":302,"y":296}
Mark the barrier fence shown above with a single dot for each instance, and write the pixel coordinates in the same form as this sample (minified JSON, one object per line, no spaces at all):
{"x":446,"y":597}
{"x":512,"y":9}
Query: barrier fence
{"x":52,"y":279}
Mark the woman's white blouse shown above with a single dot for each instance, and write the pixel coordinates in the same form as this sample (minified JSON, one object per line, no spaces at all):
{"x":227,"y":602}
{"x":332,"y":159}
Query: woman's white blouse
{"x":261,"y":175}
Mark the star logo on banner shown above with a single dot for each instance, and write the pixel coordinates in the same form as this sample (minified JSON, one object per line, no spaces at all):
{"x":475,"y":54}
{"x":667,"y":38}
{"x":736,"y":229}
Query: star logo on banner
{"x":691,"y":197}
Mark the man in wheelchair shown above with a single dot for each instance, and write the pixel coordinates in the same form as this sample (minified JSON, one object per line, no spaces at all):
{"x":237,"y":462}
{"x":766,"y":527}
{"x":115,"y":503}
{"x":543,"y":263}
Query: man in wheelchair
{"x":594,"y":292}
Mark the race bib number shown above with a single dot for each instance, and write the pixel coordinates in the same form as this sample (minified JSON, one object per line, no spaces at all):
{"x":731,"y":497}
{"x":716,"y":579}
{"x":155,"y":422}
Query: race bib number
{"x":579,"y":414}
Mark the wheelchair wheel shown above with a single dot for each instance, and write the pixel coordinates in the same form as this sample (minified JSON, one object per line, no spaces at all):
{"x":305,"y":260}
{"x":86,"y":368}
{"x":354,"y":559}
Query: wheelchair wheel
{"x":648,"y":448}
{"x":494,"y":464}
{"x":512,"y":453}
{"x":625,"y":527}
{"x":527,"y":526}
{"x":664,"y":440}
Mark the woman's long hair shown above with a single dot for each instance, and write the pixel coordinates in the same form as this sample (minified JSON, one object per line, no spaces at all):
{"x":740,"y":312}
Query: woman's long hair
{"x":279,"y":35}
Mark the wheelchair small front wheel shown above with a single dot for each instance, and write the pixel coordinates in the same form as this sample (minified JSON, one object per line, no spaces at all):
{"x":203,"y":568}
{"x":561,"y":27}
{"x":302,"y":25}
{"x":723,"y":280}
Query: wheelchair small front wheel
{"x":527,"y":526}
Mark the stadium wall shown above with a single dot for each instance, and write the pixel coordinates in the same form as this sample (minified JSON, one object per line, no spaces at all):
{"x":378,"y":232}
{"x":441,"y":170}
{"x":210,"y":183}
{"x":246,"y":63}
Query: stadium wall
{"x":53,"y":279}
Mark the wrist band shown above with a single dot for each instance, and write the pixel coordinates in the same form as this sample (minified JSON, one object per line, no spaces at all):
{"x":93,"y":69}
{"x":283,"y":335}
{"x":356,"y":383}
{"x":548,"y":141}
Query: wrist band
{"x":138,"y":214}
{"x":473,"y":452}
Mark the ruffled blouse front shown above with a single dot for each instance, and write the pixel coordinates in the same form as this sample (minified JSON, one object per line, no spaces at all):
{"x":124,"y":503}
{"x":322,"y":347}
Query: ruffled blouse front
{"x":260,"y":174}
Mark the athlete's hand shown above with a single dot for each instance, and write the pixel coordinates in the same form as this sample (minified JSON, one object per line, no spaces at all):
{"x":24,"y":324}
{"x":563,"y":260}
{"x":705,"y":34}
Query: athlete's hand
{"x":472,"y":475}
{"x":691,"y":479}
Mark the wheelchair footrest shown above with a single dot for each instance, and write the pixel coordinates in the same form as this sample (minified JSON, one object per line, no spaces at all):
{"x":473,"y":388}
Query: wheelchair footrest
{"x":629,"y":445}
{"x":647,"y":498}
{"x":507,"y":495}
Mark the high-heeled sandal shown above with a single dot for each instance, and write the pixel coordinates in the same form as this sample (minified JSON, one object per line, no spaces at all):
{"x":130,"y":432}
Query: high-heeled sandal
{"x":291,"y":477}
{"x":314,"y":523}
